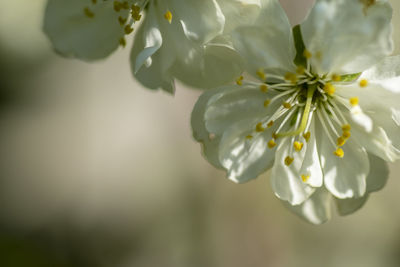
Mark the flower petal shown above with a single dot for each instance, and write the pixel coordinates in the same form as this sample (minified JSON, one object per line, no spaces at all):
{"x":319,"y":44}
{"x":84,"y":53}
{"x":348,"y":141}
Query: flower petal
{"x":344,"y":177}
{"x":316,"y":209}
{"x":75,"y":35}
{"x":346,"y":37}
{"x":376,"y":180}
{"x":269,"y":42}
{"x":286,"y":180}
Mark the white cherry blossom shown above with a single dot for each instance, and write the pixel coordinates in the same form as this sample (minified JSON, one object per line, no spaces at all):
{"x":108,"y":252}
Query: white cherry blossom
{"x":184,"y":39}
{"x":322,"y":113}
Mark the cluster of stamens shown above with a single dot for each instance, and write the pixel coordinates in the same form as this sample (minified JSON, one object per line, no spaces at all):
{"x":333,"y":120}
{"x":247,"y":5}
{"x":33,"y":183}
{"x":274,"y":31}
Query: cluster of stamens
{"x":302,"y":95}
{"x":126,"y":21}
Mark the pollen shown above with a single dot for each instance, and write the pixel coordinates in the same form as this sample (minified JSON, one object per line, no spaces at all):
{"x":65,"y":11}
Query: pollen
{"x":88,"y":13}
{"x":288,"y":160}
{"x":305,"y":177}
{"x":266,"y":103}
{"x":270,"y":124}
{"x":168,"y":16}
{"x":128,"y":29}
{"x":336,"y":78}
{"x":291,"y":77}
{"x":261,"y":74}
{"x":363,"y":83}
{"x":239,"y":81}
{"x":307,"y":54}
{"x":122,"y":41}
{"x":339,"y":153}
{"x":264,"y":88}
{"x":286,"y":105}
{"x":329,"y":89}
{"x":249,"y":136}
{"x":298,"y":145}
{"x":307,"y":136}
{"x":346,"y":135}
{"x":271,"y":143}
{"x":346,"y":127}
{"x":353,"y":101}
{"x":300,"y":70}
{"x":341,"y":141}
{"x":259,"y":127}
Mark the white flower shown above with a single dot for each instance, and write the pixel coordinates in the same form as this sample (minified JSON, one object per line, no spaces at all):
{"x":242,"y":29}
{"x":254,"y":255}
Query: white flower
{"x":185,"y":39}
{"x":323,"y":128}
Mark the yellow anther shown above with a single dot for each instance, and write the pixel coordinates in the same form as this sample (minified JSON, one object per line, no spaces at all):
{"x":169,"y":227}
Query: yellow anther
{"x":168,"y":16}
{"x":305,"y":177}
{"x":117,"y":6}
{"x":336,"y":78}
{"x":259,"y":127}
{"x":286,"y":105}
{"x":94,"y":2}
{"x":341,"y":141}
{"x":292,"y":77}
{"x":128,"y":29}
{"x":239,"y":80}
{"x":298,"y":145}
{"x":288,"y":160}
{"x":300,"y":70}
{"x":329,"y":89}
{"x":136,"y":12}
{"x":121,"y":21}
{"x":261,"y":74}
{"x":353,"y":101}
{"x":125,"y":5}
{"x":307,"y":136}
{"x":271,"y":143}
{"x":266,"y":103}
{"x":363,"y":83}
{"x":122,"y":41}
{"x":270,"y":124}
{"x":339,"y":152}
{"x":346,"y":127}
{"x":264,"y":88}
{"x":249,"y":136}
{"x":275,"y":136}
{"x":88,"y":13}
{"x":307,"y":54}
{"x":346,"y":135}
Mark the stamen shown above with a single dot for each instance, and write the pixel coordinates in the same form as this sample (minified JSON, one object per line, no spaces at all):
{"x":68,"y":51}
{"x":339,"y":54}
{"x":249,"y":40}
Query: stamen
{"x":267,"y":102}
{"x":271,"y":143}
{"x":261,"y":74}
{"x":336,"y":78}
{"x":353,"y":101}
{"x":292,"y":77}
{"x":298,"y":146}
{"x":239,"y":80}
{"x":288,"y":160}
{"x":122,"y":41}
{"x":249,"y":136}
{"x":270,"y":124}
{"x":307,"y":136}
{"x":286,"y":105}
{"x":168,"y":16}
{"x":346,"y":127}
{"x":259,"y":127}
{"x":128,"y":29}
{"x":300,"y":70}
{"x":305,"y":177}
{"x":339,"y":153}
{"x":88,"y":13}
{"x":307,"y":54}
{"x":329,"y":89}
{"x":346,"y":134}
{"x":341,"y":141}
{"x":363,"y":83}
{"x":264,"y":88}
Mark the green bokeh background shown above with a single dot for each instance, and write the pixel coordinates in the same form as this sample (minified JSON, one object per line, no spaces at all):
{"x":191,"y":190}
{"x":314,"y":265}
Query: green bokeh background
{"x":97,"y":171}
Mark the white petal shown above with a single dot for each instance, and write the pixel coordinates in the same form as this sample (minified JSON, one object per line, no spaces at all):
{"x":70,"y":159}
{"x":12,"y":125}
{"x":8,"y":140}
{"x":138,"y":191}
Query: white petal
{"x":75,"y":35}
{"x":245,"y":159}
{"x":376,"y":180}
{"x":286,"y":180}
{"x":201,"y":21}
{"x":209,"y":66}
{"x":316,"y":209}
{"x":311,"y":165}
{"x":344,"y":177}
{"x":345,"y":37}
{"x":269,"y":42}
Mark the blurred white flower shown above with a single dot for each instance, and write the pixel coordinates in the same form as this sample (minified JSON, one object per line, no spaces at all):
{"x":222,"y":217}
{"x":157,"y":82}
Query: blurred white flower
{"x":325,"y":124}
{"x":185,"y":39}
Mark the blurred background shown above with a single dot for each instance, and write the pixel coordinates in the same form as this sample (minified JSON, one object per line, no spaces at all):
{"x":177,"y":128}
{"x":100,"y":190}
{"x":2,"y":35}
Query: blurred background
{"x":97,"y":171}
